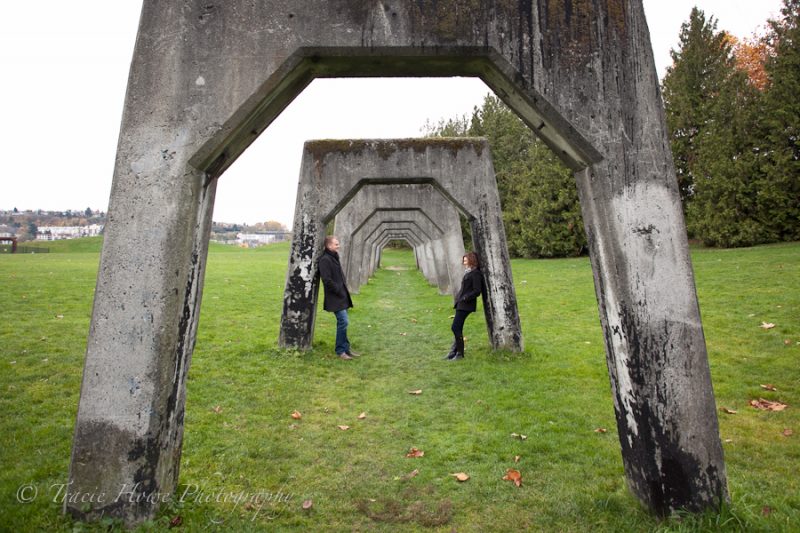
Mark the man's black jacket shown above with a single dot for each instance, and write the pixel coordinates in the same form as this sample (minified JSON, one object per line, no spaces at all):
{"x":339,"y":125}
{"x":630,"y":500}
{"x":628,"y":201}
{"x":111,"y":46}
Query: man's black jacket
{"x":337,"y":297}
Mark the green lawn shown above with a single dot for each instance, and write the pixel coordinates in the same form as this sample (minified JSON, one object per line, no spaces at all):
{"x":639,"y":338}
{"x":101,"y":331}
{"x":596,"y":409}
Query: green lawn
{"x":241,"y":439}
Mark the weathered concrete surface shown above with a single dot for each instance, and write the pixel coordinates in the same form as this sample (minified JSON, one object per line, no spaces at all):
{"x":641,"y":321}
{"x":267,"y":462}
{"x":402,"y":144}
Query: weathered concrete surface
{"x":332,"y":173}
{"x":207,"y":79}
{"x":427,"y":201}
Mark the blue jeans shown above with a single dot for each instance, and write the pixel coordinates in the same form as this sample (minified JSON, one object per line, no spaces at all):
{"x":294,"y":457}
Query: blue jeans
{"x":342,"y":344}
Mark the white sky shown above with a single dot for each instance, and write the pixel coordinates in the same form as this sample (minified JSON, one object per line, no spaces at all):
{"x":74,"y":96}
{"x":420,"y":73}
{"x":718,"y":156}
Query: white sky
{"x":64,"y":72}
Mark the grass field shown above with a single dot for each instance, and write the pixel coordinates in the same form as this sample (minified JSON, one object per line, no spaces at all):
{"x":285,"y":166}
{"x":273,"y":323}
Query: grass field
{"x":241,"y":440}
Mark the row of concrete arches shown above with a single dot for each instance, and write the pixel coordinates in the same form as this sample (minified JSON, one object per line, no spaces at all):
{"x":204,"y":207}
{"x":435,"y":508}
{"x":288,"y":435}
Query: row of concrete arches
{"x":206,"y":80}
{"x":353,"y":180}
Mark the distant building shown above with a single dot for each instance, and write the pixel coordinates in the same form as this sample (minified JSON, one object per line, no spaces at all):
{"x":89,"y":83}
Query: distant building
{"x":258,"y":239}
{"x":56,"y":233}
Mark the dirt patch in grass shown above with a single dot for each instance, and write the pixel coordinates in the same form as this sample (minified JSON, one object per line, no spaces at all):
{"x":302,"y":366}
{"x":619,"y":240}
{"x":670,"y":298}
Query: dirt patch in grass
{"x":412,"y":505}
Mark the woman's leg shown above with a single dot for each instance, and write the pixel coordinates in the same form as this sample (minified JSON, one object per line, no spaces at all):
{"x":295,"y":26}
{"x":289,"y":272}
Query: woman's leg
{"x":458,"y":333}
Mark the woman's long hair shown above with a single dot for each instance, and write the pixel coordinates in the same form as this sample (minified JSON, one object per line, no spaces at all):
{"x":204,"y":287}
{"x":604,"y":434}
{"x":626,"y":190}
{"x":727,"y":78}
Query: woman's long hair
{"x":472,"y":260}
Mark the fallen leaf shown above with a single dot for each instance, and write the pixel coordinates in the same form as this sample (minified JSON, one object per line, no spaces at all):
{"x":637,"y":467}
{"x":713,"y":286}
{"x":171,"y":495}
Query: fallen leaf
{"x":307,"y":504}
{"x":362,"y":416}
{"x":768,"y":387}
{"x":217,"y":409}
{"x":59,"y":316}
{"x":413,"y":320}
{"x":452,"y":316}
{"x":403,"y":334}
{"x":787,"y":432}
{"x":728,"y":440}
{"x":411,"y":474}
{"x":787,"y":342}
{"x":296,"y":415}
{"x":343,"y":427}
{"x":513,"y":475}
{"x":600,"y":430}
{"x":414,"y":452}
{"x":519,"y":436}
{"x":176,"y":521}
{"x":461,"y":476}
{"x":517,"y":458}
{"x":728,"y":411}
{"x":766,"y":510}
{"x":767,"y":325}
{"x":766,"y":405}
{"x":415,"y":392}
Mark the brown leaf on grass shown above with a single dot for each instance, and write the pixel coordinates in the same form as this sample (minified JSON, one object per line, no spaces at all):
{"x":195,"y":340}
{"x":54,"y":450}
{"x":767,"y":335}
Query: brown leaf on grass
{"x":767,"y":325}
{"x":414,"y":452}
{"x":362,"y":416}
{"x":461,"y":476}
{"x":787,"y":432}
{"x":217,"y":409}
{"x":768,"y":386}
{"x":343,"y":427}
{"x":413,"y":320}
{"x":411,"y":474}
{"x":415,"y":392}
{"x":296,"y":415}
{"x":59,"y":316}
{"x":766,"y":405}
{"x":601,"y":430}
{"x":403,"y":334}
{"x":766,"y":510}
{"x":513,"y":475}
{"x":307,"y":504}
{"x":176,"y":521}
{"x":517,"y":458}
{"x":787,"y":342}
{"x":519,"y":436}
{"x":728,"y":411}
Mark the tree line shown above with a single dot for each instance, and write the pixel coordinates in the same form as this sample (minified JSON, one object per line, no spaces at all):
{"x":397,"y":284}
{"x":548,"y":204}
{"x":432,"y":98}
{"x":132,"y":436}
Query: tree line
{"x":733,"y":115}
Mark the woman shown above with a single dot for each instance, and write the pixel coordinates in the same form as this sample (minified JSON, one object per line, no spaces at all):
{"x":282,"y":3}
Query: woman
{"x":466,"y":302}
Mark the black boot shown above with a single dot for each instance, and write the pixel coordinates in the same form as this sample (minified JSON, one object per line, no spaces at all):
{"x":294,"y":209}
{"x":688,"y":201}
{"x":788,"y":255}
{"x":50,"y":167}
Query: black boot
{"x":452,"y":351}
{"x":459,"y":349}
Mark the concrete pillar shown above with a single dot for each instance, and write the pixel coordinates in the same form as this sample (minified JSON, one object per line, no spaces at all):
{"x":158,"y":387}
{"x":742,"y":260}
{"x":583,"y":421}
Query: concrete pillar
{"x":206,"y":80}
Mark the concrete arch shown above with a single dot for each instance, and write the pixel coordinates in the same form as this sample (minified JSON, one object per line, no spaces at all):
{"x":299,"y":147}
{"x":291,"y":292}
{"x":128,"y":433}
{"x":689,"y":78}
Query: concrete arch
{"x":429,"y":263}
{"x":443,"y":254}
{"x":430,"y":266}
{"x":427,"y":198}
{"x":332,"y":172}
{"x":206,"y":80}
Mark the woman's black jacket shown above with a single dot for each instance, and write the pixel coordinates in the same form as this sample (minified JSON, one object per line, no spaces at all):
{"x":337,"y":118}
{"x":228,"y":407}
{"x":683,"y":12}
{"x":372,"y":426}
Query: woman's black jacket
{"x":471,"y":288}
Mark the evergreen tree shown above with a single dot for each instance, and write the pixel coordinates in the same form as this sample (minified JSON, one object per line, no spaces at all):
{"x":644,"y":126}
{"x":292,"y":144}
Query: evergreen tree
{"x":724,"y":210}
{"x":779,"y":197}
{"x":699,"y":68}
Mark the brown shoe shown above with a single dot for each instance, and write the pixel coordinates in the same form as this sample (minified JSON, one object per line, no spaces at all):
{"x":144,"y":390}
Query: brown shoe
{"x":344,"y":356}
{"x":351,"y":353}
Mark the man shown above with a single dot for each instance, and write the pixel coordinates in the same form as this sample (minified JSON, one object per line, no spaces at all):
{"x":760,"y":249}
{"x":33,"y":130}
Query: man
{"x":337,"y":297}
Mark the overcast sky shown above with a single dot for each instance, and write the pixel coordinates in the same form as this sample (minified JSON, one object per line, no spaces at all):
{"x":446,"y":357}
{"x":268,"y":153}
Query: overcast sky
{"x":65,"y":67}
